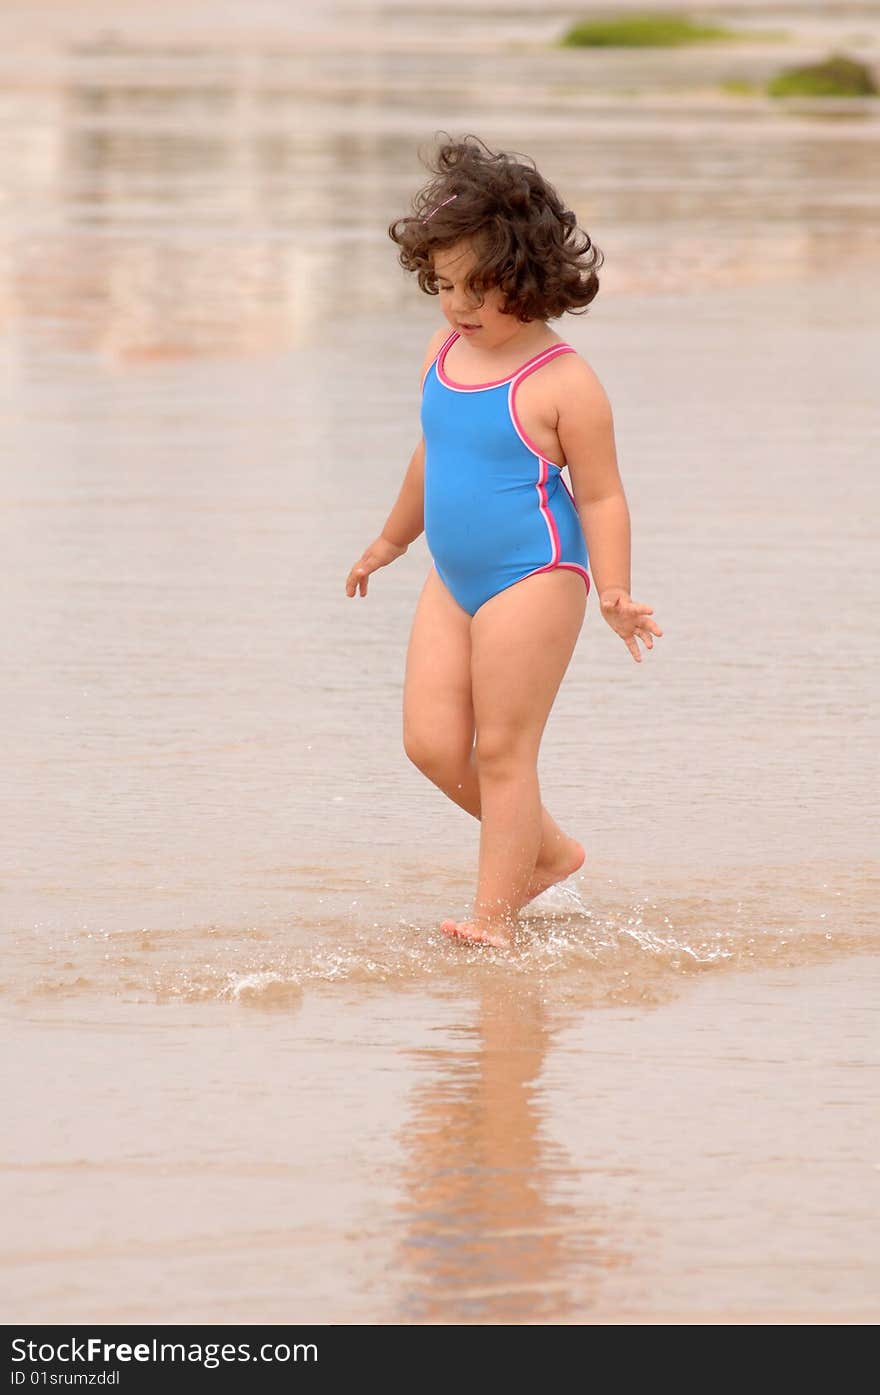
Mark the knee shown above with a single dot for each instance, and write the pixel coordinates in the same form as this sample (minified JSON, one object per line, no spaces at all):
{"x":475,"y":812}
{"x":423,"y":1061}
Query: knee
{"x":502,"y":751}
{"x":432,"y":755}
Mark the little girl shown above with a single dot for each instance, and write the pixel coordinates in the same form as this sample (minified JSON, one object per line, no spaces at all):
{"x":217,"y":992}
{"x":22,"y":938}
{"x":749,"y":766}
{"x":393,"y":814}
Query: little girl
{"x":506,"y":405}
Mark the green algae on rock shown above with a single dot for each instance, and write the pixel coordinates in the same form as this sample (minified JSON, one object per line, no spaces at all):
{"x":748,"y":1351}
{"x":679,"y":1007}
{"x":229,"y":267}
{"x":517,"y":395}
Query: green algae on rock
{"x":642,"y":31}
{"x":837,"y":76}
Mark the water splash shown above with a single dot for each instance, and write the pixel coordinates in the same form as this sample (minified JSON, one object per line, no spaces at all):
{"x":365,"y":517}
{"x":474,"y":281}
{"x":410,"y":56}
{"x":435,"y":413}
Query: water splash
{"x":578,"y":941}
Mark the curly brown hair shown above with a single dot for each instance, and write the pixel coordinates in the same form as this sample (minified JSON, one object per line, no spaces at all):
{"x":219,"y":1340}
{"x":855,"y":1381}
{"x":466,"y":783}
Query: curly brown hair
{"x":525,"y":241}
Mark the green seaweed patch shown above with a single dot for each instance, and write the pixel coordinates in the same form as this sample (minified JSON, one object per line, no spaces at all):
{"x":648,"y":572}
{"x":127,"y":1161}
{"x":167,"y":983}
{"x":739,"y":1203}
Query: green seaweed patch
{"x":837,"y":76}
{"x":741,"y":87}
{"x":643,"y":31}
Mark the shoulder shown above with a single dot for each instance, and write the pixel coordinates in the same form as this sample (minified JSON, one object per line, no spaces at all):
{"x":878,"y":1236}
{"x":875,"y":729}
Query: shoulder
{"x":579,"y":377}
{"x":569,"y":389}
{"x":438,"y":338}
{"x":579,"y":385}
{"x":435,"y":344}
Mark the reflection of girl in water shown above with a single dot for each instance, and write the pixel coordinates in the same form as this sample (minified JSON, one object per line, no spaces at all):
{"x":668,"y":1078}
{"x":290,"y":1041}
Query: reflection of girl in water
{"x":506,"y":406}
{"x":498,"y":1228}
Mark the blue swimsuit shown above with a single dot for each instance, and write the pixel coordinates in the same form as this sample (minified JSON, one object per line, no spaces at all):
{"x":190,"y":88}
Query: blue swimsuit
{"x":494,"y":511}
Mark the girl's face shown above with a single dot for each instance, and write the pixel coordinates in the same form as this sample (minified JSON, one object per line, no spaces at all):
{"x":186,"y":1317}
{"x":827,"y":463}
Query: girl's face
{"x":486,"y":325}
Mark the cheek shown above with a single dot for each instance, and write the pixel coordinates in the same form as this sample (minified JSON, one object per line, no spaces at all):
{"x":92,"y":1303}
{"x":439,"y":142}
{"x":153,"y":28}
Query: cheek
{"x":495,"y":302}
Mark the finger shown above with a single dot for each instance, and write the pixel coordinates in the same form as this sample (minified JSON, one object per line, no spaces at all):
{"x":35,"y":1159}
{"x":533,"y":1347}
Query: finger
{"x":651,"y":625}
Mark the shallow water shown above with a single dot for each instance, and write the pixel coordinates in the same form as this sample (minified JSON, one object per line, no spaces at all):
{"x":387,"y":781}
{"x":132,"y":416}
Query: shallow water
{"x":435,"y":1158}
{"x":211,"y":181}
{"x":215,"y":852}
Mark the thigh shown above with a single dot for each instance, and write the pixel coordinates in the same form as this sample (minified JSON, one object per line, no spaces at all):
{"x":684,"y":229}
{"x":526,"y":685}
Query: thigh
{"x":521,"y":643}
{"x":437,"y":704}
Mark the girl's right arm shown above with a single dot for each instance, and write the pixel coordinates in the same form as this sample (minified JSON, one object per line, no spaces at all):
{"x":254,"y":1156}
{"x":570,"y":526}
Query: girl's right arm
{"x":406,"y":520}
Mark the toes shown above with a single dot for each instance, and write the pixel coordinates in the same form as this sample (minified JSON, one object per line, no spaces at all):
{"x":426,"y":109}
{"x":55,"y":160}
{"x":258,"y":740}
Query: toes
{"x":466,"y":930}
{"x":462,"y":930}
{"x":450,"y":928}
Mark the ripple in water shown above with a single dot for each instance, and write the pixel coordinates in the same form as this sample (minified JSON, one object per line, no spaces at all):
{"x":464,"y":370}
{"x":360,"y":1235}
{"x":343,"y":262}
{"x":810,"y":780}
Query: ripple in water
{"x":608,"y":950}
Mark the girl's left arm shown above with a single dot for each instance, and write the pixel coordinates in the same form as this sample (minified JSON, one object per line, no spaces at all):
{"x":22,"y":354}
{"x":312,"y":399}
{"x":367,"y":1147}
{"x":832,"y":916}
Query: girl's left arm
{"x":585,"y":428}
{"x":586,"y":434}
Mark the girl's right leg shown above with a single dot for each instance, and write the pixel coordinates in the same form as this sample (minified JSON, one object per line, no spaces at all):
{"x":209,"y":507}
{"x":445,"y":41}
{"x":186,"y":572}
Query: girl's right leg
{"x":438,"y":722}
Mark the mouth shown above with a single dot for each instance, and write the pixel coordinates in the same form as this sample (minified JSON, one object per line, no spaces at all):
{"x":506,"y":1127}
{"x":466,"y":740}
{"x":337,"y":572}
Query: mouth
{"x":468,"y":328}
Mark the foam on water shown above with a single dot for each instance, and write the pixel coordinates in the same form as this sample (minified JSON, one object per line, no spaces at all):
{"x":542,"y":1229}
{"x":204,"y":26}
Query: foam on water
{"x":578,"y":942}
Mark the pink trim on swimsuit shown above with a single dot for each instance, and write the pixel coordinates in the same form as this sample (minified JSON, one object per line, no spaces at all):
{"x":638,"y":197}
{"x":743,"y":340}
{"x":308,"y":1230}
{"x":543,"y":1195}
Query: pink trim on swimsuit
{"x":543,"y":467}
{"x":556,"y":351}
{"x":481,"y":387}
{"x":444,"y":345}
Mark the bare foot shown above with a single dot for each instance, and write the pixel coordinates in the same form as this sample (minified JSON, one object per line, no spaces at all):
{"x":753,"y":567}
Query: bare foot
{"x":569,"y":857}
{"x":476,"y":934}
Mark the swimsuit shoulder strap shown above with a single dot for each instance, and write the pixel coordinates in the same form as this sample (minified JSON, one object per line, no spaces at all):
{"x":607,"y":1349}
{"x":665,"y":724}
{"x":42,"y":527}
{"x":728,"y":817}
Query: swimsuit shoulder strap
{"x":442,"y":350}
{"x":545,"y":356}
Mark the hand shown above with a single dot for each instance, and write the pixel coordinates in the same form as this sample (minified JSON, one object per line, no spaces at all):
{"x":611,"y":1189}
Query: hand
{"x":626,"y":618}
{"x":377,"y":555}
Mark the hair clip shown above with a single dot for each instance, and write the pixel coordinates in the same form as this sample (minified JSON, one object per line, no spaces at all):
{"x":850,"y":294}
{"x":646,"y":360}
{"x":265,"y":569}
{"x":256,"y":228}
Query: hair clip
{"x":439,"y":206}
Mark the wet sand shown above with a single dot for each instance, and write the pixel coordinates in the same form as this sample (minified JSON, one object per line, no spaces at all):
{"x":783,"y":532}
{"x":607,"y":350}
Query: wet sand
{"x":369,"y":1156}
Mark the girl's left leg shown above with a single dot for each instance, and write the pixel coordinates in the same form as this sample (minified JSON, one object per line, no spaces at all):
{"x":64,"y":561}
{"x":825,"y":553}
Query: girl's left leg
{"x":521,"y":643}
